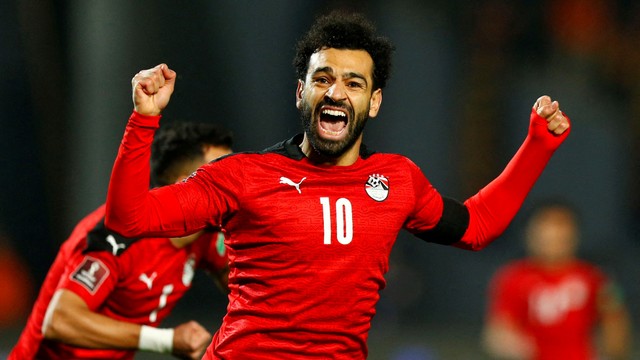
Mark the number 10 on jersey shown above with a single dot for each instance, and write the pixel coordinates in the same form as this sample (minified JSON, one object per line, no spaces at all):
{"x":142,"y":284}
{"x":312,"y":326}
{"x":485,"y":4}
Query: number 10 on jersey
{"x":343,"y":217}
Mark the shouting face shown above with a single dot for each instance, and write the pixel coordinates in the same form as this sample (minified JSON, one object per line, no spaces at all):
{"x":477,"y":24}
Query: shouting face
{"x":336,"y":99}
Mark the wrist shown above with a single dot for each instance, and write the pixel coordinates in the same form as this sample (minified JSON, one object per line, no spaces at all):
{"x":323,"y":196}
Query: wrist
{"x":146,"y":121}
{"x":156,"y":340}
{"x":540,"y":134}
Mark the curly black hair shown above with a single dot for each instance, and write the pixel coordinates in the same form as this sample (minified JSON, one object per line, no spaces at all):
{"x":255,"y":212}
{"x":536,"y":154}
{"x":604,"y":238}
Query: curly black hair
{"x":178,"y":143}
{"x":341,"y":30}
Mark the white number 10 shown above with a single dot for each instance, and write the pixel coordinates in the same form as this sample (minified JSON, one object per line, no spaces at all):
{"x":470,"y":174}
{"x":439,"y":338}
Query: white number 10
{"x":344,"y":220}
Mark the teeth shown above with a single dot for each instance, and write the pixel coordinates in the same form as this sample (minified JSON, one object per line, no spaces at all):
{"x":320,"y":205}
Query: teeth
{"x":334,"y":112}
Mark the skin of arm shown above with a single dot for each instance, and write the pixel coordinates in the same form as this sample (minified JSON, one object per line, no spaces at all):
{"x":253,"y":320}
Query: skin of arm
{"x":69,"y":320}
{"x":615,"y":325}
{"x":503,"y":340}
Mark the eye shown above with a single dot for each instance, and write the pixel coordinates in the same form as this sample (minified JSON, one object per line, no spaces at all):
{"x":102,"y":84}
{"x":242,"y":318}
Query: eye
{"x":321,"y":80}
{"x":355,"y":85}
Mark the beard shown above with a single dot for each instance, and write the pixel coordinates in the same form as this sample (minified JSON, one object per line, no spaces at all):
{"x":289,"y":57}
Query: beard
{"x":332,"y":148}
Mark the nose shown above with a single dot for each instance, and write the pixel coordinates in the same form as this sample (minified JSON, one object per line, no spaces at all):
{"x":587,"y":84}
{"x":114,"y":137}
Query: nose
{"x":336,"y":92}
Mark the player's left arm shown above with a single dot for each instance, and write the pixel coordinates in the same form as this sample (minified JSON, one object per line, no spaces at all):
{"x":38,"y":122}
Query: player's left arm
{"x":494,"y":206}
{"x":615,"y":324}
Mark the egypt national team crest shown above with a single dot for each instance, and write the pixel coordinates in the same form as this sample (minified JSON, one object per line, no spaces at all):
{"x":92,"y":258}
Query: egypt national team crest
{"x":377,"y":187}
{"x":189,"y":270}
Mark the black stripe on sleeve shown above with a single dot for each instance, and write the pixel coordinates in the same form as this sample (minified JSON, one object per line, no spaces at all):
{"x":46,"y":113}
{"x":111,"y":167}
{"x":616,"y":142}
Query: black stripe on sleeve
{"x":452,"y":224}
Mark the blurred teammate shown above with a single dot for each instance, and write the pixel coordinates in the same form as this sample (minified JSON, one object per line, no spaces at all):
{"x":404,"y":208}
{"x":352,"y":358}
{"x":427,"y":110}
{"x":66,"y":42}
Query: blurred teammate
{"x":312,"y":220}
{"x":550,"y":305}
{"x":105,"y":294}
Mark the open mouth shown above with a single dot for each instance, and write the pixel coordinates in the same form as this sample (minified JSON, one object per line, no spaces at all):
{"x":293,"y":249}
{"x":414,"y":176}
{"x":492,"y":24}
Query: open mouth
{"x":333,"y":121}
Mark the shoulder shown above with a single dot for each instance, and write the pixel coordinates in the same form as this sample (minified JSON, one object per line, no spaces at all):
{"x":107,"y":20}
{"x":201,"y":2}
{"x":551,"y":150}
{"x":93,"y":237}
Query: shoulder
{"x":77,"y":240}
{"x":514,"y":270}
{"x":389,"y":156}
{"x":102,"y":239}
{"x":396,"y":161}
{"x":592,"y":270}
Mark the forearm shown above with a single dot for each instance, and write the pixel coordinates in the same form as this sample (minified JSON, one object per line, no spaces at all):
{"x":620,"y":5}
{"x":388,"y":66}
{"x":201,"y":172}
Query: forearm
{"x":507,"y":344}
{"x":616,"y":335}
{"x":94,"y":331}
{"x":493,"y":207}
{"x":69,"y":321}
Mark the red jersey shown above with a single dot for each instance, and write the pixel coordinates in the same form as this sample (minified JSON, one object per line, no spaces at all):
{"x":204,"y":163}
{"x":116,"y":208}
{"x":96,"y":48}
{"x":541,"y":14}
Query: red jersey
{"x":309,"y":244}
{"x":117,"y":278}
{"x":557,"y":309}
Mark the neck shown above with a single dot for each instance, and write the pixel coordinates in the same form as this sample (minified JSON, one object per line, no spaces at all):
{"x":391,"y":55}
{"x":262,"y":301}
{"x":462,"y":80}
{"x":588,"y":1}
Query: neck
{"x":555,"y":263}
{"x":349,"y":157}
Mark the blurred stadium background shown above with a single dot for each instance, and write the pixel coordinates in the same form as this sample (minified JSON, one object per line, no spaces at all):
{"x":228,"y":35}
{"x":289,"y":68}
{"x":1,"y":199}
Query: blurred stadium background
{"x":465,"y":77}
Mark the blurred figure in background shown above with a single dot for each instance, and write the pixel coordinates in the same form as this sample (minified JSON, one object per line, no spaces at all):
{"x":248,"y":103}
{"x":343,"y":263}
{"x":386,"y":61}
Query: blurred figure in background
{"x":105,"y":295}
{"x":551,"y":304}
{"x":17,"y":292}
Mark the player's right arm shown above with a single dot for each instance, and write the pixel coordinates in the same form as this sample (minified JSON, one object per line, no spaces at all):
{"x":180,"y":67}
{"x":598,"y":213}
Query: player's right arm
{"x":502,"y":333}
{"x":70,"y":320}
{"x":131,"y":209}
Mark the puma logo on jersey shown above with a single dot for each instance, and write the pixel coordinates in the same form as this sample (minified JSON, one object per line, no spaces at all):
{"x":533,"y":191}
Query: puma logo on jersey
{"x":114,"y":244}
{"x":287,"y":181}
{"x":148,"y":280}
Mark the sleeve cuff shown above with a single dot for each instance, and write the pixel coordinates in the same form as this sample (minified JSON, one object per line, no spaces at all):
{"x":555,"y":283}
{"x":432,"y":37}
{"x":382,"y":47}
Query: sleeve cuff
{"x":145,"y":121}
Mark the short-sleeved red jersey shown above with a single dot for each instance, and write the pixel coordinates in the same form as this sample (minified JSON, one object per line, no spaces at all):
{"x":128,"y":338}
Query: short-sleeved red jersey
{"x":141,"y":285}
{"x":557,"y":309}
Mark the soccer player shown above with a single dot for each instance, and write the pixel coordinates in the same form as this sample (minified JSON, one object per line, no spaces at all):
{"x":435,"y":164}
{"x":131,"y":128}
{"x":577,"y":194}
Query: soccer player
{"x":550,"y":305}
{"x":312,"y":219}
{"x":105,"y":295}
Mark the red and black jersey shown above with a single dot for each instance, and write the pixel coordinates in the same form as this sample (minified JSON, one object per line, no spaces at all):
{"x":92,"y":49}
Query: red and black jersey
{"x":132,"y":280}
{"x":309,"y":243}
{"x":308,"y":246}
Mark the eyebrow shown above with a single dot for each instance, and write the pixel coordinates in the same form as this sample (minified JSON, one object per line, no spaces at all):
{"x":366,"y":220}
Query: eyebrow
{"x":349,"y":75}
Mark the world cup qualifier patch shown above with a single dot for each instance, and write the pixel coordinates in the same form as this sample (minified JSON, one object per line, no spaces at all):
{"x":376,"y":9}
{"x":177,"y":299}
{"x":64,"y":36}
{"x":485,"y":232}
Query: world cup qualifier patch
{"x":377,"y":187}
{"x":90,"y":274}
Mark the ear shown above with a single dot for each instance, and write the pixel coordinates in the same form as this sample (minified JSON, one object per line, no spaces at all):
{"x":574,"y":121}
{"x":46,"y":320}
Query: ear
{"x":375,"y":102}
{"x":299,"y":93}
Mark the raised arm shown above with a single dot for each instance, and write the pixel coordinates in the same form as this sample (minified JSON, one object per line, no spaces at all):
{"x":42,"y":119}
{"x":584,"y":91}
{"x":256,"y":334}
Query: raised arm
{"x":130,"y":209}
{"x":69,"y":320}
{"x":494,"y":206}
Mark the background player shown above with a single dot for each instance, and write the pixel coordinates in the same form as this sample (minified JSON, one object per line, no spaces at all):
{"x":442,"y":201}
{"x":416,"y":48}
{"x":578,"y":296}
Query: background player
{"x":312,"y":220}
{"x":550,"y":304}
{"x":105,"y":294}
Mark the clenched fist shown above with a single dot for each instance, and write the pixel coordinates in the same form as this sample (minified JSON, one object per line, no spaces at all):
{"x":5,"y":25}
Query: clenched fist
{"x":190,"y":340}
{"x":152,"y":89}
{"x":557,"y":123}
